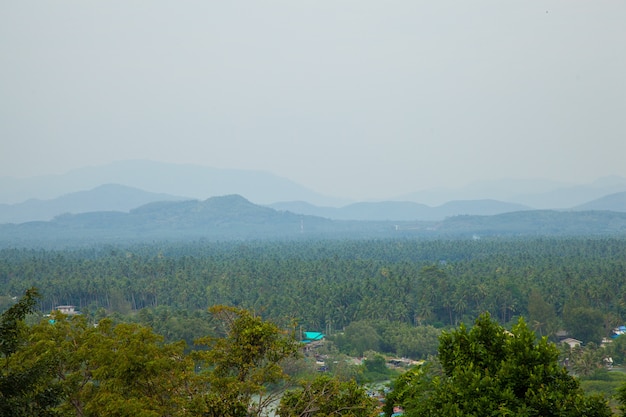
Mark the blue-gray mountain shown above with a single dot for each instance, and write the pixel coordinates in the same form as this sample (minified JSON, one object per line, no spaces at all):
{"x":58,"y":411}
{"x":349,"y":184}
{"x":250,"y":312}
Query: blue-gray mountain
{"x":115,"y":197}
{"x":402,"y":210}
{"x":260,"y":187}
{"x":539,"y":194}
{"x":191,"y":181}
{"x":235,"y":218}
{"x":108,"y":197}
{"x":612,"y":202}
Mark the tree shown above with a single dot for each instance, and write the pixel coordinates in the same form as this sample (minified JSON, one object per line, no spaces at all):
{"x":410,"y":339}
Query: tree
{"x":585,"y":361}
{"x":240,"y":364}
{"x":25,"y":388}
{"x":541,"y":314}
{"x":584,"y":323}
{"x":409,"y":388}
{"x":115,"y":370}
{"x":490,"y":371}
{"x":327,"y":396}
{"x":617,"y":350}
{"x":358,"y":337}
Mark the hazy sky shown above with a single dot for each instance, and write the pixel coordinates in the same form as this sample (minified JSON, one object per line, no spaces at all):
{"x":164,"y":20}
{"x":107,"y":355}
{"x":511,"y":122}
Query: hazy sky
{"x":357,"y":98}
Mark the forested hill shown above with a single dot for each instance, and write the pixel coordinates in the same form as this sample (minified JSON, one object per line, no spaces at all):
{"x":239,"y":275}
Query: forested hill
{"x":235,"y":218}
{"x":227,"y":217}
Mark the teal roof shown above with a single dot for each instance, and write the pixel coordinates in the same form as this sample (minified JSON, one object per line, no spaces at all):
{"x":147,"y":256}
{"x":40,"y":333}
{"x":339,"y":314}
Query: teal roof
{"x":313,"y":335}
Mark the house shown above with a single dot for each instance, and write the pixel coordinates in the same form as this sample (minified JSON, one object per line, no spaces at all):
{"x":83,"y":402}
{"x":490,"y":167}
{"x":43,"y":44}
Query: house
{"x":572,"y":342}
{"x":69,"y":310}
{"x":313,"y":336}
{"x":312,"y":340}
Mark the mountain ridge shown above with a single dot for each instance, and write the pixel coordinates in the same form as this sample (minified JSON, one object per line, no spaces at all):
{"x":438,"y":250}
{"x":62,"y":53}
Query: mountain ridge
{"x":106,"y":197}
{"x":115,"y":197}
{"x":192,"y":181}
{"x":401,"y":210}
{"x":261,"y":187}
{"x":233,"y":217}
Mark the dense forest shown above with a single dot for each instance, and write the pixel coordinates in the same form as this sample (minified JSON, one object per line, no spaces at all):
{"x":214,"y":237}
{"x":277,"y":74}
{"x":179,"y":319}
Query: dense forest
{"x":573,"y":284}
{"x":396,"y":297}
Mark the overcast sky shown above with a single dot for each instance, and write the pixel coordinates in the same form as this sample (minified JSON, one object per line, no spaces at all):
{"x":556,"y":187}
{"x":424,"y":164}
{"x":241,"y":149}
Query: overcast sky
{"x":354,"y":98}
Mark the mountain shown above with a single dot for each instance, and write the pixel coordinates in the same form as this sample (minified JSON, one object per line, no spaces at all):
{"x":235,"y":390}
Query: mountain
{"x":192,"y":181}
{"x":108,"y":197}
{"x":400,"y":210}
{"x":501,"y":190}
{"x":388,"y":210}
{"x":539,"y":194}
{"x":571,"y":196}
{"x":612,"y":202}
{"x":477,"y":207}
{"x":232,"y":217}
{"x":227,"y":217}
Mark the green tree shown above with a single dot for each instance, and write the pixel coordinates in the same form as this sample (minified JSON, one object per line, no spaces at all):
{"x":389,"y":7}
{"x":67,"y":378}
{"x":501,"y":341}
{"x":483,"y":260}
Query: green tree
{"x":617,"y":350}
{"x":488,"y":371}
{"x":240,"y":364}
{"x":25,"y":388}
{"x":408,"y":389}
{"x":541,"y":314}
{"x":586,"y":360}
{"x":113,"y":370}
{"x":584,"y":323}
{"x":327,"y":396}
{"x":358,"y":337}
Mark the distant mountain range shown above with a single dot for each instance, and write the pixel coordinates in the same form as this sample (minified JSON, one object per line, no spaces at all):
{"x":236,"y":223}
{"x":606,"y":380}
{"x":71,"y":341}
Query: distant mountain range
{"x":235,"y":218}
{"x":115,"y":197}
{"x":612,"y":202}
{"x":402,"y":210}
{"x":191,"y":181}
{"x":227,"y":218}
{"x":123,"y":186}
{"x":539,"y":194}
{"x":108,"y":197}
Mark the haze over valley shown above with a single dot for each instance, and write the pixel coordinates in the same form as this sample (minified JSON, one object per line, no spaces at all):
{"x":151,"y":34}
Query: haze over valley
{"x":126,"y":185}
{"x":255,"y":208}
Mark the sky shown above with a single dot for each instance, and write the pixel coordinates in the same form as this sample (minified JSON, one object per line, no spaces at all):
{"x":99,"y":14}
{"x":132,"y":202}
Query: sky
{"x":351,"y":98}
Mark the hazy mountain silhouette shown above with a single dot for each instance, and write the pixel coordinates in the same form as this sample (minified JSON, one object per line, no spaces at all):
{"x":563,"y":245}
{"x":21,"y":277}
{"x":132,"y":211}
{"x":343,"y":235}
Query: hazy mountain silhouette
{"x":217,"y":218}
{"x":401,"y":210}
{"x":147,"y":181}
{"x":538,"y":194}
{"x":108,"y":197}
{"x":612,"y":202}
{"x":191,"y":181}
{"x":235,"y":218}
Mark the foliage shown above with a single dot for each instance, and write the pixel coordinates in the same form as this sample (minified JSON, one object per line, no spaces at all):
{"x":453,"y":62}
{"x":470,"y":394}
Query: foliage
{"x":117,"y":370}
{"x":489,"y":371}
{"x":375,"y":369}
{"x":327,"y":396}
{"x":11,"y":320}
{"x":358,"y":337}
{"x":329,"y":285}
{"x":24,"y":390}
{"x":586,"y":360}
{"x":409,"y":389}
{"x":393,"y":295}
{"x":541,"y":314}
{"x":606,"y":383}
{"x":584,"y":323}
{"x":66,"y":366}
{"x":241,"y":363}
{"x":617,"y":350}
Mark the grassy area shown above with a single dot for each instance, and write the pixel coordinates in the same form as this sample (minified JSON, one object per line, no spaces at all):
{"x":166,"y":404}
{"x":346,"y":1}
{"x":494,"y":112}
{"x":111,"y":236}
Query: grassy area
{"x":605,"y":383}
